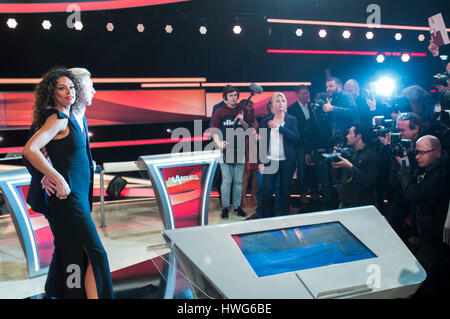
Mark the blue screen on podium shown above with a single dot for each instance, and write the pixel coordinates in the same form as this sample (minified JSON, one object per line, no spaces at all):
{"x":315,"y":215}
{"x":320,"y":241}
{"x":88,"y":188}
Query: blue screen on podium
{"x":292,"y":249}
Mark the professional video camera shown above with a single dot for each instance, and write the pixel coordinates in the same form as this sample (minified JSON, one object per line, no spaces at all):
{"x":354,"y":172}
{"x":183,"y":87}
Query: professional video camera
{"x":345,"y":152}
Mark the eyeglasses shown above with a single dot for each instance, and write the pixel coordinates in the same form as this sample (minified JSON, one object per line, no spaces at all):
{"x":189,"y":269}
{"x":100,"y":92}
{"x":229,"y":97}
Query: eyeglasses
{"x":421,"y":153}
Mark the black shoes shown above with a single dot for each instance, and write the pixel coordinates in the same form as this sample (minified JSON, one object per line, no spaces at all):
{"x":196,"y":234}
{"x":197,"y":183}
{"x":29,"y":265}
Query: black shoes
{"x":225,"y":213}
{"x":240,"y":212}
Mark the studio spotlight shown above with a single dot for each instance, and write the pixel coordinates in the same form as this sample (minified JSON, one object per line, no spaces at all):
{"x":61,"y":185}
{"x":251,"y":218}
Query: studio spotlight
{"x":140,"y":27}
{"x":398,"y":36}
{"x":237,"y":29}
{"x":203,"y":30}
{"x":421,"y":37}
{"x":322,"y":33}
{"x":380,"y":58}
{"x":168,"y":28}
{"x":46,"y":25}
{"x":12,"y":23}
{"x":90,"y":134}
{"x":369,"y":35}
{"x":405,"y":57}
{"x":78,"y":25}
{"x":385,"y":86}
{"x":346,"y":34}
{"x":299,"y":32}
{"x":110,"y":27}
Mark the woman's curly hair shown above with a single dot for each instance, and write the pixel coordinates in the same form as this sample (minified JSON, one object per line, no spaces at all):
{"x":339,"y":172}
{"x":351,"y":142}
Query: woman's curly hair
{"x":44,"y":93}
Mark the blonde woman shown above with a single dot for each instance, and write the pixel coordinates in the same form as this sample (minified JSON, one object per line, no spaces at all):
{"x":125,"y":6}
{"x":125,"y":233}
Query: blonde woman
{"x":280,"y":139}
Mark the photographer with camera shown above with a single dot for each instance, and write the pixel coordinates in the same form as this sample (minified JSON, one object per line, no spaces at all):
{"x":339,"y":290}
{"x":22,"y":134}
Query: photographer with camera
{"x":399,"y":150}
{"x":426,"y":190}
{"x":356,"y":174}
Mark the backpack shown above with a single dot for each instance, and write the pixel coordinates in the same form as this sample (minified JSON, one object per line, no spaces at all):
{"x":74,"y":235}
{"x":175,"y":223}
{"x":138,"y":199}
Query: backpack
{"x":115,"y":186}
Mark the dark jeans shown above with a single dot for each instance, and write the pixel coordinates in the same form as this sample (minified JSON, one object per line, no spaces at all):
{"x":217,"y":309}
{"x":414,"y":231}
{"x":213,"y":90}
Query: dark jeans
{"x":285,"y":172}
{"x":259,"y":195}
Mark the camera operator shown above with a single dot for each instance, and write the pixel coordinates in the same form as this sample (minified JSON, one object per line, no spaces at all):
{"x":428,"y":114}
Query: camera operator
{"x":409,"y":125}
{"x":356,"y":176}
{"x":426,"y":190}
{"x":341,"y":108}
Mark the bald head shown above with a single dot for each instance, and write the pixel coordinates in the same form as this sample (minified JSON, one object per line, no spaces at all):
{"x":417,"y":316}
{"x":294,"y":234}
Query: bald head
{"x":428,"y":150}
{"x":432,"y":141}
{"x":352,"y":87}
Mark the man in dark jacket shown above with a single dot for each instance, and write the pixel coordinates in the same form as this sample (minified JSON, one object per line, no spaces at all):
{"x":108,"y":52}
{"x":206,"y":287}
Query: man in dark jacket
{"x":357,"y":176}
{"x":426,"y":189}
{"x":301,"y":109}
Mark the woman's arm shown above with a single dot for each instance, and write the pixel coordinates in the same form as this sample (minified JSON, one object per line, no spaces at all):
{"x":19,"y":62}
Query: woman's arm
{"x":32,"y":152}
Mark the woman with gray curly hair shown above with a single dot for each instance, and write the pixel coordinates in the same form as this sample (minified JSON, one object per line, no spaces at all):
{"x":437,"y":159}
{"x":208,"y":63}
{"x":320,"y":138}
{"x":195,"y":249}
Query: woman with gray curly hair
{"x":79,"y":267}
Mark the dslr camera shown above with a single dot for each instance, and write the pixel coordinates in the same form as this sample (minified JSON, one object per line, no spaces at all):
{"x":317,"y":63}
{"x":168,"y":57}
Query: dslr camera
{"x":345,"y":152}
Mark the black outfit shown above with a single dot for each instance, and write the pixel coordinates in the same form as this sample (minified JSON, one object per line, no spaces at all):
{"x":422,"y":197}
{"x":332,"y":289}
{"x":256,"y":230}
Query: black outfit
{"x":305,"y":129}
{"x":344,"y":114}
{"x":70,"y":219}
{"x":427,"y":191}
{"x":286,"y":167}
{"x":357,"y":186}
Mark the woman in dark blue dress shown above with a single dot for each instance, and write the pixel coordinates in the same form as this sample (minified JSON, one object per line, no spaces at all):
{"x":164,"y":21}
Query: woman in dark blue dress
{"x":80,"y":266}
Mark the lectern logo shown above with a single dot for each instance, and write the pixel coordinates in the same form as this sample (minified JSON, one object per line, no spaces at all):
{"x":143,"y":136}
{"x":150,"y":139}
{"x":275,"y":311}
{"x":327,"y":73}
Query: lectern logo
{"x":178,"y":180}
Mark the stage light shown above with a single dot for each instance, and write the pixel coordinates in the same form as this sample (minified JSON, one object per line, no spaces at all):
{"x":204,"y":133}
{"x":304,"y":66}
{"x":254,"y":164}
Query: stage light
{"x":110,"y":27}
{"x":421,"y":37}
{"x":46,"y":25}
{"x":78,"y":25}
{"x":169,"y":28}
{"x":398,"y":36}
{"x":380,"y":58}
{"x":237,"y":29}
{"x":369,"y":35}
{"x":12,"y":23}
{"x":203,"y":30}
{"x":90,"y":134}
{"x":443,"y":57}
{"x":322,"y":33}
{"x":299,"y":32}
{"x":346,"y":34}
{"x":140,"y":27}
{"x":385,"y":86}
{"x":405,"y":57}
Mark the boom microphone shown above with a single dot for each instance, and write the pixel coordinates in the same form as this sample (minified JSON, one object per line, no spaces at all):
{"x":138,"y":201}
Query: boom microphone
{"x":255,"y":89}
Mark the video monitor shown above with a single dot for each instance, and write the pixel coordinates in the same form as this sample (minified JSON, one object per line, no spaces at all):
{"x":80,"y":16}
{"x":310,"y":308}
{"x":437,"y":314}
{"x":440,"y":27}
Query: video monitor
{"x":293,"y":249}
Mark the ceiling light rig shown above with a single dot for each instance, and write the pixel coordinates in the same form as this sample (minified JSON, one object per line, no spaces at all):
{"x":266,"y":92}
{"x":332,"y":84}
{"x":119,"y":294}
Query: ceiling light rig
{"x":237,"y":29}
{"x":322,"y":33}
{"x":46,"y":25}
{"x":346,"y":34}
{"x":369,"y":35}
{"x":12,"y":23}
{"x":140,"y":27}
{"x":299,"y":32}
{"x":110,"y":27}
{"x":168,"y":28}
{"x":203,"y":30}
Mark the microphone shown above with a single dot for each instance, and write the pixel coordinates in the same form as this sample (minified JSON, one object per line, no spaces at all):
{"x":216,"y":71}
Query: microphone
{"x":255,"y":89}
